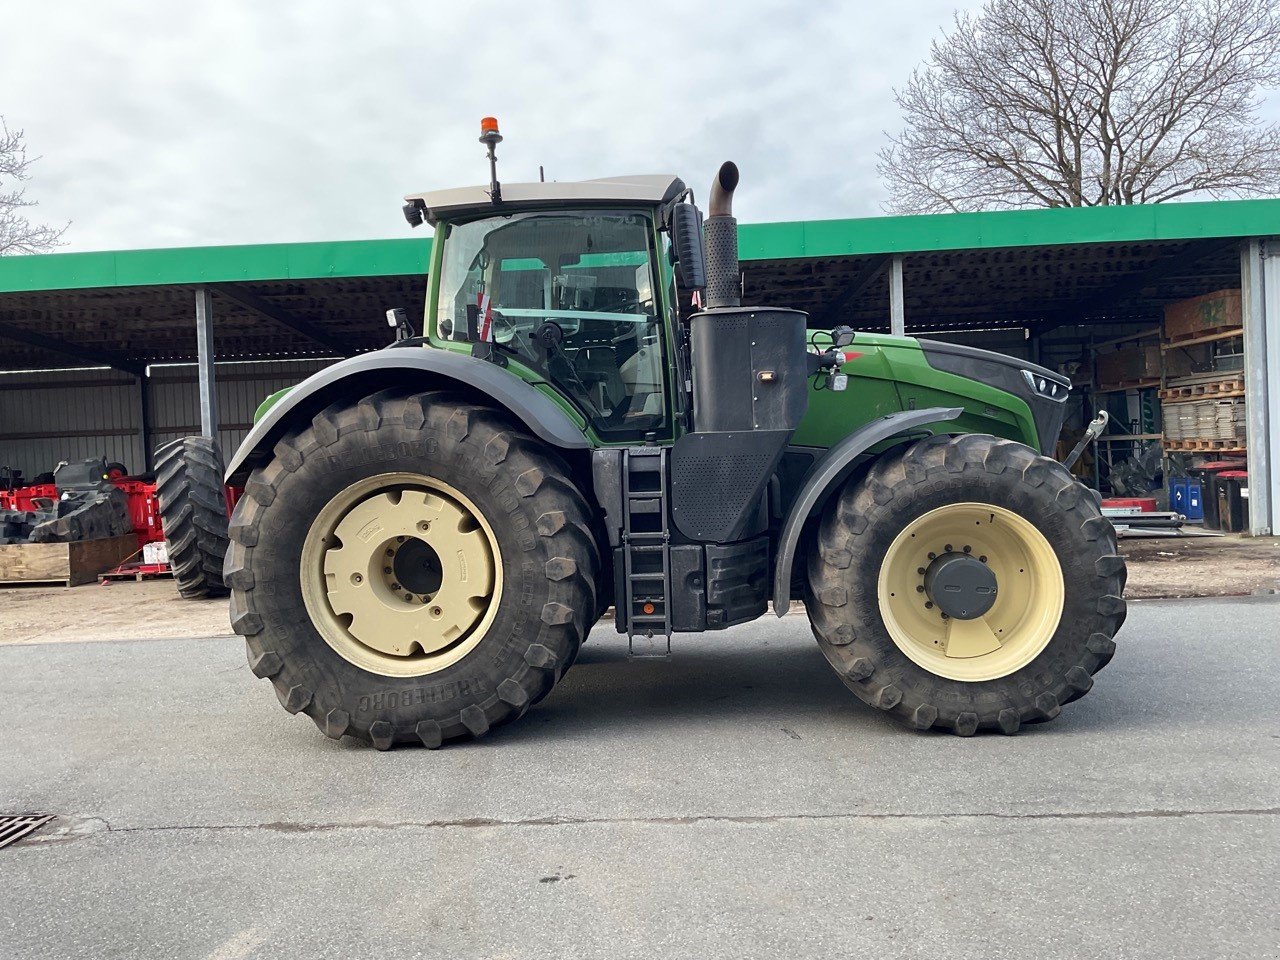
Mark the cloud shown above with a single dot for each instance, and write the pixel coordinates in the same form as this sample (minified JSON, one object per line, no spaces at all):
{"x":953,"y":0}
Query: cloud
{"x":240,"y":121}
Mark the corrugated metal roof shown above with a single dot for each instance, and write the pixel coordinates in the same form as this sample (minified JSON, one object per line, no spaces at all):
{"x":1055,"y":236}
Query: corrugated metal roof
{"x":809,"y":239}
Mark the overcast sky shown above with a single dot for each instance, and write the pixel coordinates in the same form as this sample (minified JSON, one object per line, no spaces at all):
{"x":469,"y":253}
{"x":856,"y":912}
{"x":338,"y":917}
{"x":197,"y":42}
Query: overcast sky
{"x":246,"y":121}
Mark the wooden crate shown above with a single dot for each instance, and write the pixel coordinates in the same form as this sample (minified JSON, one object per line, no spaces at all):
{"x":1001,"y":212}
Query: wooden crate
{"x":65,"y":563}
{"x":1198,"y":316}
{"x":1127,"y":365}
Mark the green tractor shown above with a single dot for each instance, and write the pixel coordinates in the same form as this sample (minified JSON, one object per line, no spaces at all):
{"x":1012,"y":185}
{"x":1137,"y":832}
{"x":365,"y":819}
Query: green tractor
{"x":428,"y":532}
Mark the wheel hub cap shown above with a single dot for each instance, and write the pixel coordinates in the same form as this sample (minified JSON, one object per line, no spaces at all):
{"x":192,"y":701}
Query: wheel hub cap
{"x":416,"y":566}
{"x":960,"y":585}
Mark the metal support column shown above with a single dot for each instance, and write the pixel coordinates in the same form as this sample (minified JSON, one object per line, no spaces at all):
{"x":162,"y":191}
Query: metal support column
{"x":144,"y":420}
{"x":204,"y":346}
{"x":897,"y":312}
{"x":1260,"y":302}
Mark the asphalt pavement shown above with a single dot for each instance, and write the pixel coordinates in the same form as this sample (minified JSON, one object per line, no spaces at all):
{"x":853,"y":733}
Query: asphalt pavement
{"x":735,"y":801}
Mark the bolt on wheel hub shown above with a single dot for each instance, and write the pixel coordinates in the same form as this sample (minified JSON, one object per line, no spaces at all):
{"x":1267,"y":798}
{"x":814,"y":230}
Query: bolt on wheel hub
{"x":971,"y":591}
{"x":401,"y":574}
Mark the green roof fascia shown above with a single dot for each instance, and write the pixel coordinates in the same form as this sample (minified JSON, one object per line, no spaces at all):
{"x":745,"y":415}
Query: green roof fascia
{"x":757,"y":241}
{"x":1009,"y":228}
{"x":196,"y":265}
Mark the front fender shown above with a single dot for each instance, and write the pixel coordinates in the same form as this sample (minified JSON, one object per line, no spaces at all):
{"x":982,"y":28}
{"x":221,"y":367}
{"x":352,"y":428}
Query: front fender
{"x":827,"y":471}
{"x":385,"y":368}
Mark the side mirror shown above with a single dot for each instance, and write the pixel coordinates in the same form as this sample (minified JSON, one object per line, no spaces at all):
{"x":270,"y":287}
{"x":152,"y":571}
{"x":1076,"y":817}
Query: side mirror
{"x":842,"y":336}
{"x":686,"y":243}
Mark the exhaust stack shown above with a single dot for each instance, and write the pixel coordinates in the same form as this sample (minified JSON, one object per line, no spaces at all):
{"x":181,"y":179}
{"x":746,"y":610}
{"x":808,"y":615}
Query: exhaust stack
{"x":724,"y":286}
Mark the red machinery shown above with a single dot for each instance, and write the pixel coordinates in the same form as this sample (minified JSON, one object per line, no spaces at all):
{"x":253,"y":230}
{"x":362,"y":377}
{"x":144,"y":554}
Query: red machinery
{"x":144,"y":508}
{"x":144,"y":511}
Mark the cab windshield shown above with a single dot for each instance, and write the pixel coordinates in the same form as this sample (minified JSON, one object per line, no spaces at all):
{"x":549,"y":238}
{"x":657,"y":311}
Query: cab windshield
{"x":571,"y":294}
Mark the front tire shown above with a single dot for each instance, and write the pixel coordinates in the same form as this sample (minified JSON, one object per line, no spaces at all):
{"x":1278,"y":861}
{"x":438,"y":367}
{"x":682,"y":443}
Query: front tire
{"x":1007,"y":541}
{"x":411,"y":570}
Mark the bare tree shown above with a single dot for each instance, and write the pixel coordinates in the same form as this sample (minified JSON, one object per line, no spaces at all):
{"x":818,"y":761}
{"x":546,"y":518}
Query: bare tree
{"x":1071,"y":103}
{"x":17,"y":233}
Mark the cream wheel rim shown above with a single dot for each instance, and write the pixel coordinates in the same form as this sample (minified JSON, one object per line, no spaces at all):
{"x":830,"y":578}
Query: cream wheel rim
{"x":401,"y":574}
{"x":1022,"y":618}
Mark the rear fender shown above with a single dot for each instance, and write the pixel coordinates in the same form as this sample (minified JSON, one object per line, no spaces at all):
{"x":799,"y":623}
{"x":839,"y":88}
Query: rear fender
{"x":829,"y":471}
{"x":415,"y":368}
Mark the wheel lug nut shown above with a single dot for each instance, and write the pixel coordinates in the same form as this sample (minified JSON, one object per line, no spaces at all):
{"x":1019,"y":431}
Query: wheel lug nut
{"x":395,"y":586}
{"x":920,"y":589}
{"x":933,"y":556}
{"x":386,"y":569}
{"x":928,"y":605}
{"x":408,"y":598}
{"x":356,"y":578}
{"x":424,"y":526}
{"x":968,"y":549}
{"x":947,"y":548}
{"x":399,"y":539}
{"x":920,"y":570}
{"x":983,"y":559}
{"x":436,"y":612}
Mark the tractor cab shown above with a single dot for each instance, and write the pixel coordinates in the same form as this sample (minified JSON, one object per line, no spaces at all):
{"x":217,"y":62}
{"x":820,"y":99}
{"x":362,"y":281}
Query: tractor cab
{"x":576,"y":296}
{"x":568,"y":284}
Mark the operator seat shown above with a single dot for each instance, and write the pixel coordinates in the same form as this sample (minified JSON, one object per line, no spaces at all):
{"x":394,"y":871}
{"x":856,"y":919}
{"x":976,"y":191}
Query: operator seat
{"x":597,"y":368}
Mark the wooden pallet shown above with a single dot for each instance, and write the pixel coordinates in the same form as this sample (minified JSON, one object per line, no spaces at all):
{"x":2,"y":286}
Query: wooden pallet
{"x":137,"y":572}
{"x":1198,"y":445}
{"x":1141,"y":384}
{"x":1206,"y":390}
{"x":65,"y":564}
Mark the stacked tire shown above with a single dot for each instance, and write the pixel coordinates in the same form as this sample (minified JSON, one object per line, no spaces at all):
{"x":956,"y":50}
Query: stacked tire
{"x":193,"y":513}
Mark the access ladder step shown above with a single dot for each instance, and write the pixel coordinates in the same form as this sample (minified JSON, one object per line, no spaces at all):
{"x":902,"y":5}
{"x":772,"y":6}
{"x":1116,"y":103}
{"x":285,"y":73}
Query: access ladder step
{"x":646,"y":552}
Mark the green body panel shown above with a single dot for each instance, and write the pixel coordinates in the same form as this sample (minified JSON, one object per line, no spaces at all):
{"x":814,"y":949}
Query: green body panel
{"x":268,"y":403}
{"x":893,"y":374}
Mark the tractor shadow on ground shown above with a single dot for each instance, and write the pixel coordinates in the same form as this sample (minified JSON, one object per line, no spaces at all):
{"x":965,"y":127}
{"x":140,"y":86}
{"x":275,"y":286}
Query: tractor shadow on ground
{"x":784,"y":686}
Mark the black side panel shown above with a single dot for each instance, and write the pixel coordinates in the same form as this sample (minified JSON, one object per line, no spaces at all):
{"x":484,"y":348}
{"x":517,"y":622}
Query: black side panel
{"x":737,"y":582}
{"x":717,"y":586}
{"x":1004,"y":373}
{"x":688,"y":589}
{"x":717,"y":480}
{"x":750,"y":391}
{"x":606,"y":478}
{"x":750,"y":369}
{"x":385,"y":368}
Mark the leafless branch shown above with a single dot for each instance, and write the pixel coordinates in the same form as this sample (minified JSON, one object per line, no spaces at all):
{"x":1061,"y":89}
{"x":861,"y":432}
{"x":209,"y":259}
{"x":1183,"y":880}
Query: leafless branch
{"x":1053,"y":103}
{"x":17,"y":233}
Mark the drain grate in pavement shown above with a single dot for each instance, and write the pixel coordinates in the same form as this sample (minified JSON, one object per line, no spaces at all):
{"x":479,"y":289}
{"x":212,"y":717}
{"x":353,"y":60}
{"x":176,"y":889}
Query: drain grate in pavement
{"x":16,"y":826}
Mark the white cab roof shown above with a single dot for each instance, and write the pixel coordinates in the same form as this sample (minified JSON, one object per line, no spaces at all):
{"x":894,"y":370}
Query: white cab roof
{"x":643,"y":188}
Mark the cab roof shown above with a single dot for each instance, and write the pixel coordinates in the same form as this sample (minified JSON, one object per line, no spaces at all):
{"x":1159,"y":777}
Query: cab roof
{"x":462,"y":201}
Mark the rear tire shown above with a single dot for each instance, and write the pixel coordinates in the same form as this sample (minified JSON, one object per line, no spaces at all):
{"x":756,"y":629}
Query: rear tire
{"x":1062,"y":591}
{"x":403,"y":683}
{"x":193,"y":513}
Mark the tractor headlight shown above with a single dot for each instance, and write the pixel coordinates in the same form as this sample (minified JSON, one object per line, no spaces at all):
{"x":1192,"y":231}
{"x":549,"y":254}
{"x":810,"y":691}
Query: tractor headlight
{"x":1044,"y":387}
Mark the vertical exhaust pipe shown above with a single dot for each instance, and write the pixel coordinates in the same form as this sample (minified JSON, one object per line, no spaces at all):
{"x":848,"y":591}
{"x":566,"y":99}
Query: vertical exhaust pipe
{"x":724,"y":287}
